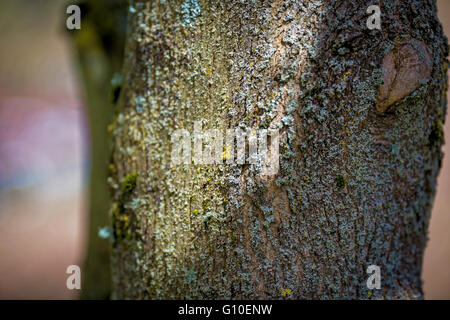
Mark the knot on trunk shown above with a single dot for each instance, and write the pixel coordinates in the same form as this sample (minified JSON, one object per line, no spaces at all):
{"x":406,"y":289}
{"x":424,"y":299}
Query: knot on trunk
{"x":405,"y":69}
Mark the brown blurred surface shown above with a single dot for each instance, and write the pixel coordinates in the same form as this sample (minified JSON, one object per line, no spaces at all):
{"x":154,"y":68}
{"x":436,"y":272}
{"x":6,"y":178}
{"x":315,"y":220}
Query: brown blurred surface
{"x":42,"y":190}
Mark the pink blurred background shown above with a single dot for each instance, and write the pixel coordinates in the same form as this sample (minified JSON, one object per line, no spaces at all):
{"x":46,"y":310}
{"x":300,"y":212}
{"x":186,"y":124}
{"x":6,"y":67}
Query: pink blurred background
{"x":43,"y":159}
{"x":43,"y":152}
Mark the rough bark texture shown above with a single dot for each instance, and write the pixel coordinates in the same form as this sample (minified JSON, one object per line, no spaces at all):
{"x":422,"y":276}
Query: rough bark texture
{"x":100,"y":46}
{"x":357,"y":174}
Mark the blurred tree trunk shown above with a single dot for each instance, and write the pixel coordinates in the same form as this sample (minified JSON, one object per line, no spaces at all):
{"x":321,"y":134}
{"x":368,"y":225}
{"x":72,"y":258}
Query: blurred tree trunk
{"x":99,"y":44}
{"x":360,"y":116}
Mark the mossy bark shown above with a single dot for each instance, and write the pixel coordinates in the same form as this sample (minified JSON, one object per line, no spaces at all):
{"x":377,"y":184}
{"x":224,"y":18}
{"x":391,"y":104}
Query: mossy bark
{"x":357,"y":174}
{"x":100,"y":45}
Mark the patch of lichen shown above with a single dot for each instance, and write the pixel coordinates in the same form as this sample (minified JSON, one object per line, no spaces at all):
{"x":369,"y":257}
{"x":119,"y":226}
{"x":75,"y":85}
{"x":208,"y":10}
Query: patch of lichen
{"x":120,"y":222}
{"x":121,"y":215}
{"x":341,"y":181}
{"x":129,"y":183}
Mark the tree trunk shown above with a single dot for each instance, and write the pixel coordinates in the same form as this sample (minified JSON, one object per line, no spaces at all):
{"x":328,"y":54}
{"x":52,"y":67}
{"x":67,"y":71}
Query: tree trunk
{"x":359,"y":114}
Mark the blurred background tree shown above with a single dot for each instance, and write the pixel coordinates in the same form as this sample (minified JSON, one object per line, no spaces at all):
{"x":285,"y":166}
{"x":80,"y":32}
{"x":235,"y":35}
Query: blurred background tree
{"x":100,"y":45}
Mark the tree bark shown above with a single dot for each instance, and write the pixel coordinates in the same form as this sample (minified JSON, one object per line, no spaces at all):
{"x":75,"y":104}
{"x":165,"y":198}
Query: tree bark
{"x":360,"y":116}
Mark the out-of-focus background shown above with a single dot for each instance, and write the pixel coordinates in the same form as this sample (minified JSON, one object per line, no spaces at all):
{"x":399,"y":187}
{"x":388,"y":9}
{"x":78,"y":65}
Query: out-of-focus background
{"x":44,"y":159}
{"x":43,"y":152}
